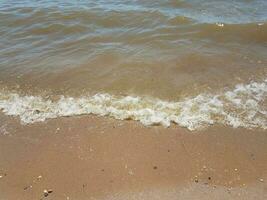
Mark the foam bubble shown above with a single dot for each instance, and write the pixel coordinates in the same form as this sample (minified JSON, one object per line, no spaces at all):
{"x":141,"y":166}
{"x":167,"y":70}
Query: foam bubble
{"x":244,"y":106}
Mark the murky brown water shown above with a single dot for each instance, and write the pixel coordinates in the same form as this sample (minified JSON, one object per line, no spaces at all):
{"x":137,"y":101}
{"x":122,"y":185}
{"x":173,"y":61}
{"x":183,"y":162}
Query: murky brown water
{"x":170,"y":50}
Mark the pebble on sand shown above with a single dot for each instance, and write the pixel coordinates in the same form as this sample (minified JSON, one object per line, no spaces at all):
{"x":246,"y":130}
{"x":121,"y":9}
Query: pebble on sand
{"x":27,"y":187}
{"x":47,"y":192}
{"x":2,"y":175}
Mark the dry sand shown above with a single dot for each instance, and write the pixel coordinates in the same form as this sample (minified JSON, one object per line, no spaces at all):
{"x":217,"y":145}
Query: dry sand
{"x":92,"y":157}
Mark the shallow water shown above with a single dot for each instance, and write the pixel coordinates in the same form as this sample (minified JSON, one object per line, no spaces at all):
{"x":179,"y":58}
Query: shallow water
{"x":172,"y":50}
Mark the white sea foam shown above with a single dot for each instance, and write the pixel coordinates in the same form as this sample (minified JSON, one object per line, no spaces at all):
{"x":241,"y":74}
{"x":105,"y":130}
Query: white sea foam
{"x":244,"y":106}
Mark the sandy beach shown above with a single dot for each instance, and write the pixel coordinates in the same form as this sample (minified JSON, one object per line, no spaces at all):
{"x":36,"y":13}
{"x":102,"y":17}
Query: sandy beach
{"x":91,"y":157}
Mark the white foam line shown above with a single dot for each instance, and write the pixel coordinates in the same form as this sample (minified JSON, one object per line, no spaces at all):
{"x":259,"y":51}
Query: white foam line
{"x":244,"y":106}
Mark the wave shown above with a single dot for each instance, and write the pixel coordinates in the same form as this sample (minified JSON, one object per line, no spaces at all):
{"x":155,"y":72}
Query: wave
{"x":244,"y":106}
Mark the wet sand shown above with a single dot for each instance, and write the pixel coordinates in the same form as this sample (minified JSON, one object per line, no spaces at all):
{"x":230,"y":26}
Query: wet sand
{"x":92,"y":157}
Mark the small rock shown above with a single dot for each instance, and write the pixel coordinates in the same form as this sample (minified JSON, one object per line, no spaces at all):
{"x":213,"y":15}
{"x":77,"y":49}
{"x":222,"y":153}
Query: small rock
{"x":196,"y":180}
{"x":46,"y":193}
{"x":25,"y":188}
{"x":261,"y":180}
{"x":155,"y":167}
{"x":209,"y":178}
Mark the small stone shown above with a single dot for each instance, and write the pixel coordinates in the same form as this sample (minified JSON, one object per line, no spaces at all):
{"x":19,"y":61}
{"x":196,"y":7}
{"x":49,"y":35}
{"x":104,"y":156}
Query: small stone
{"x":27,"y":187}
{"x":261,"y":180}
{"x":209,"y":178}
{"x":49,"y":191}
{"x":235,"y":169}
{"x":196,"y":180}
{"x":46,"y":193}
{"x":39,"y":177}
{"x":155,"y":167}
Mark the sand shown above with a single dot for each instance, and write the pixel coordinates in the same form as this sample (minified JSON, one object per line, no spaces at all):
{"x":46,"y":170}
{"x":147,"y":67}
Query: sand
{"x":91,"y":157}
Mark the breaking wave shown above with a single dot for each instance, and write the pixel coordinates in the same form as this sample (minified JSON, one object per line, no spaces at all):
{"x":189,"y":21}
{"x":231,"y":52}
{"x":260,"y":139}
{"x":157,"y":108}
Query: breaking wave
{"x":243,"y":106}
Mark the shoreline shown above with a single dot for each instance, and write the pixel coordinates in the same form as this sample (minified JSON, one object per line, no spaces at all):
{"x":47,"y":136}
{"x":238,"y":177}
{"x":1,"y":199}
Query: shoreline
{"x":90,"y":157}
